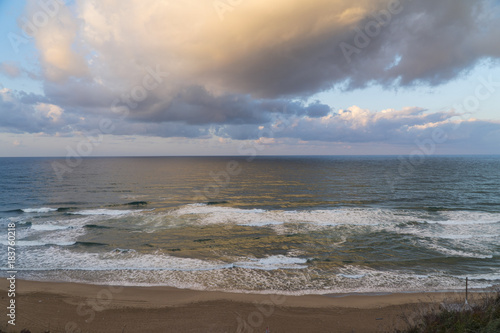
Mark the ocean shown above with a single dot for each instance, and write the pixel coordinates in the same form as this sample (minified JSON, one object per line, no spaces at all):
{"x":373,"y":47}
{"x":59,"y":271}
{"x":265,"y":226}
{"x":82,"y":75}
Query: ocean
{"x":291,"y":224}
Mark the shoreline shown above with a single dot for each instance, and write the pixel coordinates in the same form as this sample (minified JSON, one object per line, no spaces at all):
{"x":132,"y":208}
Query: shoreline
{"x":77,"y":307}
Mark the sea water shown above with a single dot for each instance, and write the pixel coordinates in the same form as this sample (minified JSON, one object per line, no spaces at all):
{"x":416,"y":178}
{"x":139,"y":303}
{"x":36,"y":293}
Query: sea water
{"x":292,"y":225}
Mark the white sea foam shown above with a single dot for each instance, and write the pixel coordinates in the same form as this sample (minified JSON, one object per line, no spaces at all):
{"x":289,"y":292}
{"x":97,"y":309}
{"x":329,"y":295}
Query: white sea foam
{"x":49,"y":227}
{"x":273,"y":262}
{"x":40,"y":243}
{"x":108,"y":212}
{"x":118,"y":250}
{"x":467,"y":236}
{"x":64,"y":234}
{"x":457,"y":232}
{"x":300,"y":282}
{"x":285,"y":274}
{"x":261,"y":223}
{"x":312,"y":219}
{"x":487,"y":277}
{"x":39,"y":210}
{"x":273,"y":274}
{"x":200,"y":208}
{"x":61,"y":258}
{"x":465,"y":222}
{"x":331,"y":217}
{"x":458,"y":253}
{"x":352,"y":276}
{"x":467,"y":217}
{"x":128,"y":259}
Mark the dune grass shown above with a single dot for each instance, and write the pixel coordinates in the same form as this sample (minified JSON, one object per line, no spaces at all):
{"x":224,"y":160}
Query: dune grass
{"x":481,"y":316}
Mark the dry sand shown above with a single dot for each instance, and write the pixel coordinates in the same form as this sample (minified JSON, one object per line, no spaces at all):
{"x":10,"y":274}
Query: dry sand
{"x":73,"y":307}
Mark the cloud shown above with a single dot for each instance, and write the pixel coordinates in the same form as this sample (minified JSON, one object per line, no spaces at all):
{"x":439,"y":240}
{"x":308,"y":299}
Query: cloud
{"x":274,"y":124}
{"x":29,"y":113}
{"x":355,"y":125}
{"x":281,"y":48}
{"x":251,"y":73}
{"x":361,"y":125}
{"x":53,"y":112}
{"x":10,"y":69}
{"x":18,"y":117}
{"x":56,"y":40}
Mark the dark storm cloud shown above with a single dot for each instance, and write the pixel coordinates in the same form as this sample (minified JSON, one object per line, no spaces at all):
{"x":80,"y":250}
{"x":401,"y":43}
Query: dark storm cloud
{"x":422,"y":42}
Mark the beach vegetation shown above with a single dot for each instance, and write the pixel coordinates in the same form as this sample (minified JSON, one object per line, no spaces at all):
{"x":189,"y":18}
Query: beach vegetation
{"x":480,"y":316}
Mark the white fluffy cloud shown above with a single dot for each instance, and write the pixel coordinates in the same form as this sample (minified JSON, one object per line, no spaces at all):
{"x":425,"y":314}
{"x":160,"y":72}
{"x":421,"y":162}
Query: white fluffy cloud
{"x":50,"y":111}
{"x":56,"y":40}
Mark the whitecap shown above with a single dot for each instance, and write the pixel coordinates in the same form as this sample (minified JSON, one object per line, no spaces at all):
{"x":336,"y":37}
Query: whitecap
{"x":39,"y":210}
{"x":49,"y":227}
{"x":109,"y":212}
{"x":40,"y":243}
{"x":273,"y":262}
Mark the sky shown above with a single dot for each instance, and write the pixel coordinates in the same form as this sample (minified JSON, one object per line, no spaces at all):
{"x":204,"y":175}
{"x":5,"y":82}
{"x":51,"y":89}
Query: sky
{"x":246,"y":77}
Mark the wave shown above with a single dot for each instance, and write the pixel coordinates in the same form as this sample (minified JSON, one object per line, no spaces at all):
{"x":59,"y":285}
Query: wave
{"x":122,"y":267}
{"x":453,"y":224}
{"x":24,"y":223}
{"x":49,"y":227}
{"x":95,"y":226}
{"x":484,"y":277}
{"x":118,"y":250}
{"x":40,"y":243}
{"x":468,"y":217}
{"x":282,"y":220}
{"x":39,"y":210}
{"x":458,"y":253}
{"x":130,"y":259}
{"x":20,"y":211}
{"x":273,"y":262}
{"x":136,"y":203}
{"x":464,"y":222}
{"x":262,"y":223}
{"x":65,"y":209}
{"x":108,"y":212}
{"x":203,"y":208}
{"x":353,"y":276}
{"x":55,"y":258}
{"x":131,"y":203}
{"x":216,"y":202}
{"x":496,"y":236}
{"x":89,"y":244}
{"x":51,"y":233}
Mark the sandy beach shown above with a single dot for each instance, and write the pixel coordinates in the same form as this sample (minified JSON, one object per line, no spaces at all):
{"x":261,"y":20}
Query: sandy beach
{"x":72,"y":307}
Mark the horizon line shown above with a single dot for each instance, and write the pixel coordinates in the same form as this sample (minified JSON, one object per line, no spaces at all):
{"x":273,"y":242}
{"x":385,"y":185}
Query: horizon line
{"x":254,"y":156}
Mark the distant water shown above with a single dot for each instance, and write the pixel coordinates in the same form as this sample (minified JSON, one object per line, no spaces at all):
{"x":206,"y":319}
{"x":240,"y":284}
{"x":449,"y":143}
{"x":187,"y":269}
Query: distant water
{"x":289,"y":224}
